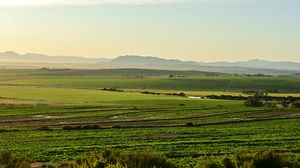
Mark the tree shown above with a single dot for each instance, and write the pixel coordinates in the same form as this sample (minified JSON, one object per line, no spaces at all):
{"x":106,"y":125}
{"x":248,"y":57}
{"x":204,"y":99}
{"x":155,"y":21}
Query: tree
{"x":254,"y":102}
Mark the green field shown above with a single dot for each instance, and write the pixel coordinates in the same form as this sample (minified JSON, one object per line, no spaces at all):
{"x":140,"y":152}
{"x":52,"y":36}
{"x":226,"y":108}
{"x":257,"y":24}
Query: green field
{"x":129,"y":120}
{"x":152,"y":80}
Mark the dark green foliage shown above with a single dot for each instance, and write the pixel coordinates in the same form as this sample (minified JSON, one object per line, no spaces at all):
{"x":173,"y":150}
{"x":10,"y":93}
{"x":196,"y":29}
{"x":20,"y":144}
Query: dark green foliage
{"x":269,"y":159}
{"x":189,"y":124}
{"x":88,"y":127}
{"x":72,"y":127}
{"x":296,"y":104}
{"x":177,"y":94}
{"x":228,"y":163}
{"x":116,"y":126}
{"x":297,"y":162}
{"x":148,"y":92}
{"x":285,"y":103}
{"x":254,"y":102}
{"x":84,"y":127}
{"x":182,"y":94}
{"x":113,"y":90}
{"x":44,"y":128}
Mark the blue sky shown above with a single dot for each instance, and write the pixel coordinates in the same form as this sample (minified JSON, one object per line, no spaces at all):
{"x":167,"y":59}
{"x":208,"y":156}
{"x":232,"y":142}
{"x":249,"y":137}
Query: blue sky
{"x":202,"y":30}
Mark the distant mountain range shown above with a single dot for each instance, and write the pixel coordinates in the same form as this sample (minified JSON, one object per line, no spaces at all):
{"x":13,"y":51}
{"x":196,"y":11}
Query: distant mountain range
{"x":11,"y":56}
{"x":14,"y":60}
{"x":254,"y":66}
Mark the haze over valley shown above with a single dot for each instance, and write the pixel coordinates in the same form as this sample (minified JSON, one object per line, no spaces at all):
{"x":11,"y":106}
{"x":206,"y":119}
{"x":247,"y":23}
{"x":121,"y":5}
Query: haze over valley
{"x":12,"y":59}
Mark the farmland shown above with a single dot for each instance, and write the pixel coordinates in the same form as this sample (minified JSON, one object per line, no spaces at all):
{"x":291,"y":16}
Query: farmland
{"x":128,"y":120}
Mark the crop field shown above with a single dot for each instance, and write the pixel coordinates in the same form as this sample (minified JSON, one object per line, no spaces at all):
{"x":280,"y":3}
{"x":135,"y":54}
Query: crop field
{"x":56,"y":115}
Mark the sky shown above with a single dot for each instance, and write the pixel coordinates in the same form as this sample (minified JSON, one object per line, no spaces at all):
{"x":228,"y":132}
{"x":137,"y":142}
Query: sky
{"x":200,"y":30}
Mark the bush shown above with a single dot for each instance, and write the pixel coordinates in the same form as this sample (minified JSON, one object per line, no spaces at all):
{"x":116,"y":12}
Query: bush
{"x":116,"y":126}
{"x":285,"y":103}
{"x":296,"y":104}
{"x":85,"y":127}
{"x":254,"y":102}
{"x":211,"y":164}
{"x":297,"y":162}
{"x":189,"y":124}
{"x":9,"y":160}
{"x":228,"y":163}
{"x":182,"y":94}
{"x":120,"y":159}
{"x":95,"y":127}
{"x":269,"y":159}
{"x":89,"y":127}
{"x":72,"y":128}
{"x":44,"y":128}
{"x":136,"y":159}
{"x":67,"y":128}
{"x":244,"y":159}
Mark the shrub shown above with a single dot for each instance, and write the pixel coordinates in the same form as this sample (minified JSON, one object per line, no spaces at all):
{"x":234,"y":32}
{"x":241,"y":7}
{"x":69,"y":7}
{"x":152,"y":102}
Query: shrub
{"x":244,"y":159}
{"x":44,"y":128}
{"x":77,"y":127}
{"x":296,"y":104}
{"x":9,"y":160}
{"x":254,"y":102}
{"x":182,"y":94}
{"x":113,"y":90}
{"x":120,"y":159}
{"x":189,"y":124}
{"x":297,"y":162}
{"x":95,"y":127}
{"x":86,"y":127}
{"x":116,"y":126}
{"x":228,"y":163}
{"x":136,"y":159}
{"x":67,"y":127}
{"x":72,"y":128}
{"x":269,"y":159}
{"x":285,"y":103}
{"x":211,"y":164}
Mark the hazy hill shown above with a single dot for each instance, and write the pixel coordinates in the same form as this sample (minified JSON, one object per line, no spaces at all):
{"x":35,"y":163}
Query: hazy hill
{"x":257,"y":63}
{"x":133,"y":59}
{"x":33,"y":61}
{"x":247,"y":67}
{"x":254,"y":63}
{"x":11,"y":56}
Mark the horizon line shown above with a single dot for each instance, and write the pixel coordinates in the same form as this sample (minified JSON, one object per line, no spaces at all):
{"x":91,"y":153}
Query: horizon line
{"x":142,"y":55}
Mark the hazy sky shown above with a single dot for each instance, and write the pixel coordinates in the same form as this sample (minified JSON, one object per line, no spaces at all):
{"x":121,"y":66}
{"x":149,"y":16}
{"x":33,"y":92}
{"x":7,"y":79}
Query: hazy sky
{"x":203,"y":30}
